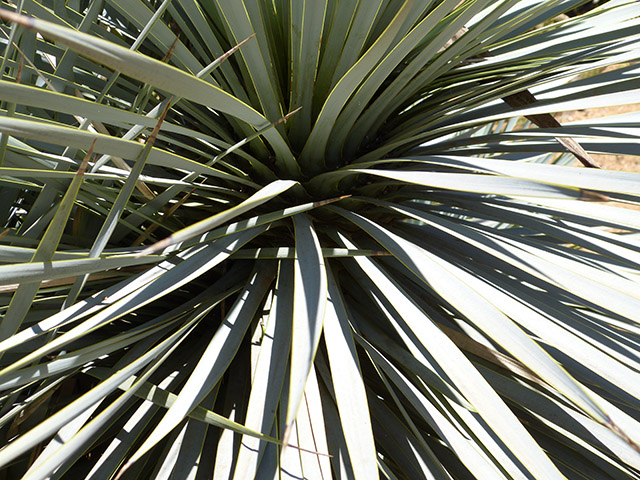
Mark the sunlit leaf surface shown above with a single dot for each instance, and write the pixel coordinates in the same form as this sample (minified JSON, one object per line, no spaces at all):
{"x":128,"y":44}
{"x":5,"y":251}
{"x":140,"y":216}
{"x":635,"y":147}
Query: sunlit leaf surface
{"x":318,"y":239}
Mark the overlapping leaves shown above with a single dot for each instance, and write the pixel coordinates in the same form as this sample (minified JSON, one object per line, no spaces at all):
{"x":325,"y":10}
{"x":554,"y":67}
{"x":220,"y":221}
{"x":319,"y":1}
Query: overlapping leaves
{"x":399,"y":279}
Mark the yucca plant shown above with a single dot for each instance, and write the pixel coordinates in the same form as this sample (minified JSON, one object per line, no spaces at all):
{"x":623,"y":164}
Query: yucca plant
{"x":318,"y":239}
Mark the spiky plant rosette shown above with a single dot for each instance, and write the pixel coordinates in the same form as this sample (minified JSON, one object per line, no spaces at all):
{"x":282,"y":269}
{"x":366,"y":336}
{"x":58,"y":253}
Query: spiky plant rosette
{"x":319,"y":239}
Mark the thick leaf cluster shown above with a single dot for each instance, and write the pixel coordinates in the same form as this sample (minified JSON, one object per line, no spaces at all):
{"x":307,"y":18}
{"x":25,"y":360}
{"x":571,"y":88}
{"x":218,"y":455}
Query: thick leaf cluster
{"x":318,"y":239}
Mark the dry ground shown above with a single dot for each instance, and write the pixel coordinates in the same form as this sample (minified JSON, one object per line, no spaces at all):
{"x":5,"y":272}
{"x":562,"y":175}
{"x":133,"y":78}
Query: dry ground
{"x":628,"y":163}
{"x":610,"y":162}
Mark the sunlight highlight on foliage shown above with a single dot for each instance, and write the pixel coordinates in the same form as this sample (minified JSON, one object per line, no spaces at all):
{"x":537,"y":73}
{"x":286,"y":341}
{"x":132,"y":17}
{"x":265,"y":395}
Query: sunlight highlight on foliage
{"x":318,"y":239}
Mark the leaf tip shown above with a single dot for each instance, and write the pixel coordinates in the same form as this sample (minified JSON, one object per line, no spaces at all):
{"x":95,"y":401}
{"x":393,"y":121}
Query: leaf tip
{"x":85,"y":161}
{"x":286,"y":117}
{"x":8,"y":16}
{"x":287,"y":435}
{"x":125,"y":467}
{"x":151,"y":249}
{"x":152,"y":138}
{"x":591,"y":196}
{"x":320,"y":203}
{"x":611,"y":425}
{"x":234,"y":49}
